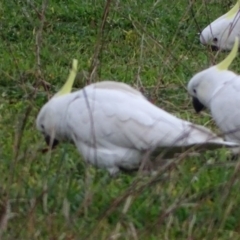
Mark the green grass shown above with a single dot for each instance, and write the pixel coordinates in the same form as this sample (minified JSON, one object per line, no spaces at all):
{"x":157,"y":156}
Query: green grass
{"x":149,"y":43}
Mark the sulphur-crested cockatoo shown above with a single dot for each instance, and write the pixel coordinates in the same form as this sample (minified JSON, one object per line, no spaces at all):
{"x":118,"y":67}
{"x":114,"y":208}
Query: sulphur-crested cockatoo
{"x":221,"y":33}
{"x":113,"y":125}
{"x":218,"y":89}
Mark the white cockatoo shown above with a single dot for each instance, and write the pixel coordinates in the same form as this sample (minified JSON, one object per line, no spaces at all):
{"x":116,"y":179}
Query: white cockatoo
{"x":218,"y":89}
{"x":221,"y":33}
{"x":113,"y":125}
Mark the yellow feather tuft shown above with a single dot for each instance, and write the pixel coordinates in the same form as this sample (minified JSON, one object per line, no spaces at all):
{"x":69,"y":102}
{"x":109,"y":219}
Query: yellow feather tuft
{"x":224,"y":65}
{"x":67,"y":87}
{"x":231,"y":14}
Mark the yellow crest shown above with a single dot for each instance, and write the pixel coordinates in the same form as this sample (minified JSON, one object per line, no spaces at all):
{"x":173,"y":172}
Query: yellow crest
{"x":224,"y":65}
{"x":231,"y":14}
{"x":67,"y":87}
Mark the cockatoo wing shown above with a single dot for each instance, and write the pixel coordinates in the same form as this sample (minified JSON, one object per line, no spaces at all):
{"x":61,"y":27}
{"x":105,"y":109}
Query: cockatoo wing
{"x":108,"y":122}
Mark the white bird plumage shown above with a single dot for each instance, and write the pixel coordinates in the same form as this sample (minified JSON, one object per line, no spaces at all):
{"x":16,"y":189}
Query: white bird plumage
{"x":218,"y":89}
{"x":113,"y":125}
{"x":221,"y":33}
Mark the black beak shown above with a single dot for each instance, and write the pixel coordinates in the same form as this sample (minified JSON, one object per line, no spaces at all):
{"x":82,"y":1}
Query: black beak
{"x":214,"y":48}
{"x":52,"y":143}
{"x":197,"y":105}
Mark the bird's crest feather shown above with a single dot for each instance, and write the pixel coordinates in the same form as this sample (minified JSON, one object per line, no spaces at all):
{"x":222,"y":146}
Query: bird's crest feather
{"x":67,"y":87}
{"x":231,"y":13}
{"x":224,"y":65}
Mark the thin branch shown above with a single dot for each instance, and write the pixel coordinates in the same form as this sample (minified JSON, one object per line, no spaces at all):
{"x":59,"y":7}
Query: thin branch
{"x":39,"y":34}
{"x":99,"y":43}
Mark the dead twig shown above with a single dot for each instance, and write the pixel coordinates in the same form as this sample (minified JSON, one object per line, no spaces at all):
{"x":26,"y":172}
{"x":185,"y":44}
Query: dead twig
{"x":99,"y":44}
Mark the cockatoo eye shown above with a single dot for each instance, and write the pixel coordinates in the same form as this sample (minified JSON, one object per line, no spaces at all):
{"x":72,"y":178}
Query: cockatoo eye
{"x":215,"y":39}
{"x":194,"y":90}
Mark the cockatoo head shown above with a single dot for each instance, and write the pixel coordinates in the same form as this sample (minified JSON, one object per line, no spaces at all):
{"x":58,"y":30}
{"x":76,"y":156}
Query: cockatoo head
{"x":221,"y":33}
{"x":49,"y":118}
{"x":204,"y":84}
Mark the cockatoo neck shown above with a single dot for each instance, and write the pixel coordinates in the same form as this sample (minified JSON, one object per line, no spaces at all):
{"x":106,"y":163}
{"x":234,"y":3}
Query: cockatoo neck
{"x":212,"y":81}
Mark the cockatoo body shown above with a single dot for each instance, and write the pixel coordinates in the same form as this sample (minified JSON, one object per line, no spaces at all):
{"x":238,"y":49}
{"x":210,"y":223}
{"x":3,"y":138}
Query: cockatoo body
{"x":113,"y":125}
{"x":218,"y":89}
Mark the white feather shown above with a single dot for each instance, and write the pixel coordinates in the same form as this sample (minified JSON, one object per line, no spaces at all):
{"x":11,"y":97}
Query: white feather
{"x":113,"y":125}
